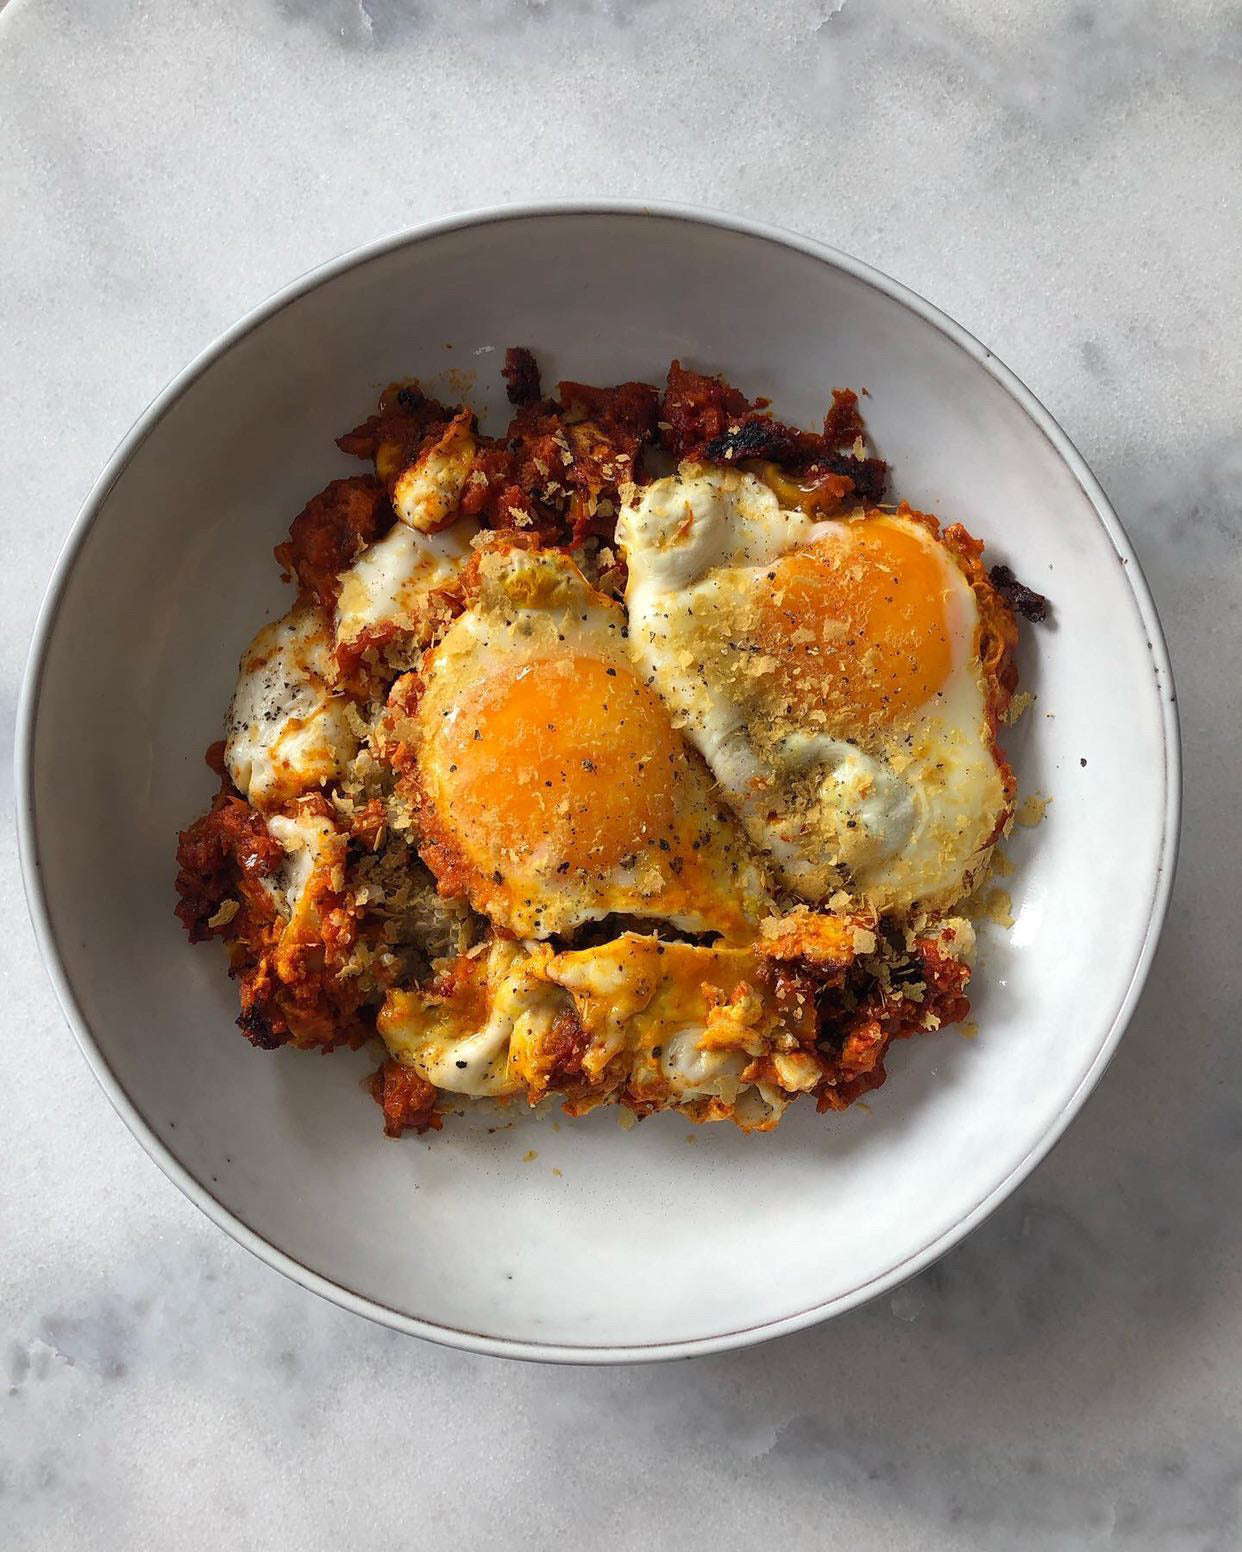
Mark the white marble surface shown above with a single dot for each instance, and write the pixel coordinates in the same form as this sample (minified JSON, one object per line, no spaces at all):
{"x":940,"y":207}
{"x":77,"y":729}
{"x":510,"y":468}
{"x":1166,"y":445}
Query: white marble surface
{"x":1064,"y":179}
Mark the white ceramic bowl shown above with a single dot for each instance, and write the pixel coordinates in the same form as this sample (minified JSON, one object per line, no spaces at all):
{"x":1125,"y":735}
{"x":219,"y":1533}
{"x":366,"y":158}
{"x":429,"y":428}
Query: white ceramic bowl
{"x":641,"y":1246}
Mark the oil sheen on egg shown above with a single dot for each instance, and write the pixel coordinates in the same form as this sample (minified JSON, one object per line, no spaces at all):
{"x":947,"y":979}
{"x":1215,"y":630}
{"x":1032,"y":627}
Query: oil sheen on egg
{"x":555,"y":789}
{"x":830,"y":674}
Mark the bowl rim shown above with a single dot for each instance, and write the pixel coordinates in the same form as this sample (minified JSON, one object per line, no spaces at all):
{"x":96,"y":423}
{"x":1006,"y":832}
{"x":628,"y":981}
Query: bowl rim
{"x":26,"y":802}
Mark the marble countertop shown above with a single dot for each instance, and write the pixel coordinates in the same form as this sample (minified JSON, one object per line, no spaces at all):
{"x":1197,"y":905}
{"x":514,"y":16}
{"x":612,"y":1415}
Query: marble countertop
{"x":1064,"y":179}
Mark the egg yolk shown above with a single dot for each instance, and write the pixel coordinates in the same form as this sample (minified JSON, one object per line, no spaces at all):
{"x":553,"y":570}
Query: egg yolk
{"x":858,"y":625}
{"x":569,"y":754}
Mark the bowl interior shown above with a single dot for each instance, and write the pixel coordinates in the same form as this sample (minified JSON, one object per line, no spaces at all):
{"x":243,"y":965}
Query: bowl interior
{"x":537,"y":1230}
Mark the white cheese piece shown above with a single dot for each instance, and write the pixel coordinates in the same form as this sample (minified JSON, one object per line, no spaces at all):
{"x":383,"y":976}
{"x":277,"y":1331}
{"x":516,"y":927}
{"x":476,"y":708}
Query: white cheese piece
{"x":310,"y":843}
{"x":390,"y":582}
{"x":288,"y":730}
{"x":428,"y":493}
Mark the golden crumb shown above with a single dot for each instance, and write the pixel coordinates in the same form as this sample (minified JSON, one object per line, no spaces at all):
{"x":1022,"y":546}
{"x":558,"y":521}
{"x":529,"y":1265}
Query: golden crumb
{"x":997,"y":907}
{"x":1021,"y":702}
{"x":529,"y":1155}
{"x":969,"y":1030}
{"x":558,"y":1174}
{"x":1032,"y":809}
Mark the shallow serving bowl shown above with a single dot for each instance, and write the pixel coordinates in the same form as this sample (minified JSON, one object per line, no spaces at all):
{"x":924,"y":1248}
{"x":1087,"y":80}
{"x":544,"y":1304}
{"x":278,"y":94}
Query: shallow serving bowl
{"x":535,"y":1237}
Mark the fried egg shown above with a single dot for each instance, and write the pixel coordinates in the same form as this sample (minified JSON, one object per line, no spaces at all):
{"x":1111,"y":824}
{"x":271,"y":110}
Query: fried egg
{"x":830,"y":672}
{"x":554,"y":788}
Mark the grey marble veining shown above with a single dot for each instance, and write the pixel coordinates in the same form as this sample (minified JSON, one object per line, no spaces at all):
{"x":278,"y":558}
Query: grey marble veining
{"x":1064,"y":179}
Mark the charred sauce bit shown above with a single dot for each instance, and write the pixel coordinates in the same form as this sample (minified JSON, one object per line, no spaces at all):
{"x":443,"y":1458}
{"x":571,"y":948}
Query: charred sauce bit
{"x":1020,"y":598}
{"x":858,"y":1023}
{"x":704,"y":418}
{"x":521,"y":375}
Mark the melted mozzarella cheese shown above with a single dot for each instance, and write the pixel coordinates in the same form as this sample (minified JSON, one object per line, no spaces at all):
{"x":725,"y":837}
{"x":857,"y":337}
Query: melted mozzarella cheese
{"x":467,"y":1043}
{"x":673,"y":1024}
{"x":693,"y":1073}
{"x":288,"y":730}
{"x":311,"y":844}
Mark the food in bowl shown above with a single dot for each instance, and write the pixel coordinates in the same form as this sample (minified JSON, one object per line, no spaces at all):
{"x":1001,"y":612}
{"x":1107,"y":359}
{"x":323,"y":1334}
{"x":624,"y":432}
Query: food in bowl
{"x":642,"y":755}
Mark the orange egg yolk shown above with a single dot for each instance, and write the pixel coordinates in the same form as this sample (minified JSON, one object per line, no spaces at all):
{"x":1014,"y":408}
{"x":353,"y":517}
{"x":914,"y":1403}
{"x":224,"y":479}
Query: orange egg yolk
{"x":858,"y":625}
{"x":569,"y":754}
